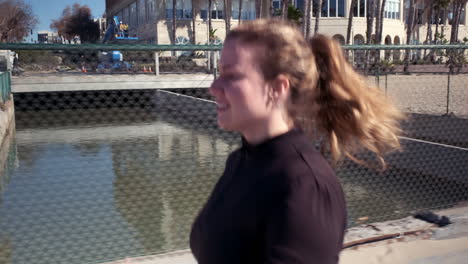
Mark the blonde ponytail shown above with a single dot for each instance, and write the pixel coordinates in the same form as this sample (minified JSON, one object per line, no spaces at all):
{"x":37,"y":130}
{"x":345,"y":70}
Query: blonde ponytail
{"x":351,"y":114}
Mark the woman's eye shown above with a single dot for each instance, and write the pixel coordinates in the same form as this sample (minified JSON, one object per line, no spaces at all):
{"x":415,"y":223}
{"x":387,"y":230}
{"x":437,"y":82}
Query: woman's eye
{"x":231,"y":76}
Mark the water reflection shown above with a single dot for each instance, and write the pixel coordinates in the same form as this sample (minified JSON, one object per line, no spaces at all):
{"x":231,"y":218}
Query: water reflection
{"x":161,"y":185}
{"x":100,"y":184}
{"x":121,"y":182}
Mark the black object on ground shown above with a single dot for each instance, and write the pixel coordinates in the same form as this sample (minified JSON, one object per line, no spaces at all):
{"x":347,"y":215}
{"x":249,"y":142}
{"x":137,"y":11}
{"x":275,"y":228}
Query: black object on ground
{"x":430,"y":217}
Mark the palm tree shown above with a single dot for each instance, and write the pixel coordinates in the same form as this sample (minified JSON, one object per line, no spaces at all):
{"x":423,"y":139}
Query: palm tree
{"x":318,"y":11}
{"x":350,"y":21}
{"x":370,"y":11}
{"x":210,"y":26}
{"x":429,"y":21}
{"x":379,"y":21}
{"x":272,"y":9}
{"x":258,"y":8}
{"x":240,"y":12}
{"x":409,"y":29}
{"x":227,"y":14}
{"x":308,"y":18}
{"x":457,"y":12}
{"x":284,"y":9}
{"x":439,"y":5}
{"x":194,"y":14}
{"x":174,"y":21}
{"x":410,"y":22}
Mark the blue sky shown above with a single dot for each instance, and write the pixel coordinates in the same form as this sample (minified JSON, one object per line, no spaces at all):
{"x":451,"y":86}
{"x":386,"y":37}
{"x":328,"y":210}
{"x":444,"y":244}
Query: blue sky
{"x":46,"y":10}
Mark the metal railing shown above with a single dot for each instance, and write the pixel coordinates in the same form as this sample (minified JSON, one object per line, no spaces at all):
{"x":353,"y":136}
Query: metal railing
{"x":5,"y":86}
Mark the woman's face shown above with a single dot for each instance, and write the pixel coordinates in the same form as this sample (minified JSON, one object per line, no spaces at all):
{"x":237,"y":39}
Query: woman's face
{"x":241,"y":92}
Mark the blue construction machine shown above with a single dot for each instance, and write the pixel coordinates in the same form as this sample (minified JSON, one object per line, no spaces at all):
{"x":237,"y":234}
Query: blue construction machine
{"x":117,"y":32}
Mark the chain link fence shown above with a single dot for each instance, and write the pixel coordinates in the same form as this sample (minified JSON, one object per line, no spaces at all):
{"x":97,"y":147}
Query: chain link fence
{"x":116,"y":147}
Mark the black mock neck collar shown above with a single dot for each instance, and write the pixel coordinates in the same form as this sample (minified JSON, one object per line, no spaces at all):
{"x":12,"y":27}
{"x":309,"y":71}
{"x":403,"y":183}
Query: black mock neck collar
{"x":272,"y":144}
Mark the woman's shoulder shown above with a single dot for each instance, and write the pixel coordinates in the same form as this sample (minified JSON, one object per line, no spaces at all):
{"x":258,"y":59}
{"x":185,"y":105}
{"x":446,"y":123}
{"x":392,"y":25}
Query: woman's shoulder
{"x":306,"y":165}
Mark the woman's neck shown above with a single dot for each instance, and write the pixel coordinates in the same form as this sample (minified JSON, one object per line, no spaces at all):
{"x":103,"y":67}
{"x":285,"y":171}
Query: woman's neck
{"x":257,"y":134}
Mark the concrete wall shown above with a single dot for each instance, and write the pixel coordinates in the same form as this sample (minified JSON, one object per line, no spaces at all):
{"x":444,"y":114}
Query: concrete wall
{"x":7,"y":120}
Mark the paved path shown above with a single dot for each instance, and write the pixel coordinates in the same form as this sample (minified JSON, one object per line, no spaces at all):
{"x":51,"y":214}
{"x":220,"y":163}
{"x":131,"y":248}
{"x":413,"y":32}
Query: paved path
{"x":96,"y":82}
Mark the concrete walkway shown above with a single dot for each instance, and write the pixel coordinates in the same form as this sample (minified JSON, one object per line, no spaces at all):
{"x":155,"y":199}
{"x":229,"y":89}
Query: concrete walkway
{"x":432,"y":245}
{"x":68,"y":82}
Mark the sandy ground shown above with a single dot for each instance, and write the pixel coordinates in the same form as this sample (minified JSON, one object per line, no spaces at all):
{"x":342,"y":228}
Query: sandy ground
{"x":427,"y":93}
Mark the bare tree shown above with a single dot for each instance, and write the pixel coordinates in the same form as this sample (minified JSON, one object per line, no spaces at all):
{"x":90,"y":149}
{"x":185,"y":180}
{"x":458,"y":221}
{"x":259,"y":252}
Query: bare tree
{"x":350,"y":21}
{"x":77,"y":21}
{"x":60,"y":24}
{"x":16,"y":20}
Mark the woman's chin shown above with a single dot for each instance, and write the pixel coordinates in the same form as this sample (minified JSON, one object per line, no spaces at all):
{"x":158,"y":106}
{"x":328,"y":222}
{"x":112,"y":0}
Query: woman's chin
{"x":223,"y":124}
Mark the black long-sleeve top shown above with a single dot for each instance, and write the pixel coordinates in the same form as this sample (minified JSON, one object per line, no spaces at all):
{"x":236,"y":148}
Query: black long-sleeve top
{"x":277,"y":202}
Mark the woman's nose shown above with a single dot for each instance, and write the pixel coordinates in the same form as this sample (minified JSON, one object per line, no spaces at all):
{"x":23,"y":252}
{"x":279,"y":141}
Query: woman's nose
{"x":215,"y":88}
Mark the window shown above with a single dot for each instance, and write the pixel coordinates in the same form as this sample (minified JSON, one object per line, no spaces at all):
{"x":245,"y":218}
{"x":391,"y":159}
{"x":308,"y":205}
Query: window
{"x":299,"y":4}
{"x":120,"y":15}
{"x":248,"y":9}
{"x":133,"y":20}
{"x":331,"y":8}
{"x":150,"y":10}
{"x":441,"y":17}
{"x":462,"y":17}
{"x":360,"y":8}
{"x":126,"y":15}
{"x":392,"y":9}
{"x":141,"y":7}
{"x":451,"y":15}
{"x":217,"y":10}
{"x":183,"y":9}
{"x":277,"y":4}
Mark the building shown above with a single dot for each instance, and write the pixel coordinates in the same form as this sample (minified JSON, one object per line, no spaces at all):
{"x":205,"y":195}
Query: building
{"x":151,"y":20}
{"x":48,"y":37}
{"x":102,"y":25}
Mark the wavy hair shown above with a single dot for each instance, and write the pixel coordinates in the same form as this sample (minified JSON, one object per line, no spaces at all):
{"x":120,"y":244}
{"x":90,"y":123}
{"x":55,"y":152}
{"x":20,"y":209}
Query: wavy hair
{"x":328,"y":98}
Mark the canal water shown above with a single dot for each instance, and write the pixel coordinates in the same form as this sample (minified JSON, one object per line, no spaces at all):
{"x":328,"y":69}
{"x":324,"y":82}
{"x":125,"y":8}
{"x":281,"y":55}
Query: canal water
{"x":94,"y":185}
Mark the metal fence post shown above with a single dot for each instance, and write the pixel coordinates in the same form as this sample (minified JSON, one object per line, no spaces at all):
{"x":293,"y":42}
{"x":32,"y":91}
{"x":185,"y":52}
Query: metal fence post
{"x":386,"y":81}
{"x":156,"y":63}
{"x":215,"y":63}
{"x":448,"y":92}
{"x":8,"y":87}
{"x":208,"y":56}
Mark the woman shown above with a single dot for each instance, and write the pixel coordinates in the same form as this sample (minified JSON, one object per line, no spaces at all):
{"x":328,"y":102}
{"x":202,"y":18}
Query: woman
{"x":279,"y":200}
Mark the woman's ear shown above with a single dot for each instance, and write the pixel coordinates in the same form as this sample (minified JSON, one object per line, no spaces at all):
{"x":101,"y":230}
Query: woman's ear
{"x":280,"y":88}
